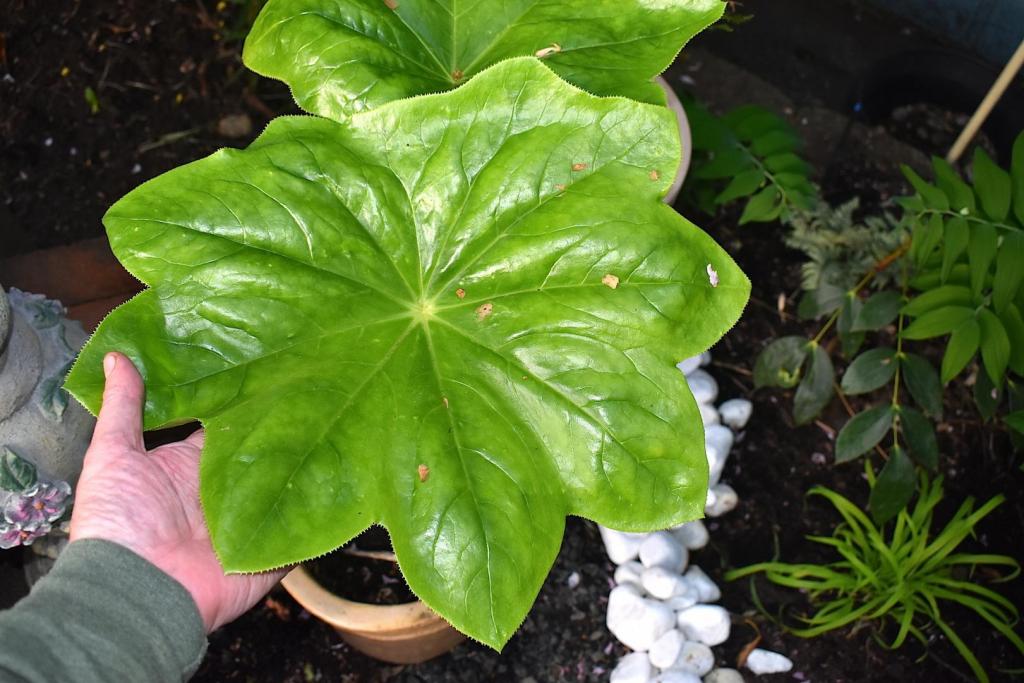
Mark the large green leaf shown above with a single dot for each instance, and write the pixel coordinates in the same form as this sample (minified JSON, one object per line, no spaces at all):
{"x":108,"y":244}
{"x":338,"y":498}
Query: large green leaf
{"x":869,"y":371}
{"x":863,"y":432}
{"x":894,"y":487}
{"x":816,"y":388}
{"x":344,"y":56}
{"x":457,"y":316}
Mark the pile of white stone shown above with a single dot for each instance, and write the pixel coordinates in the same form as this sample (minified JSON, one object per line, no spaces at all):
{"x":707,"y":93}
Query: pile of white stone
{"x":662,"y":606}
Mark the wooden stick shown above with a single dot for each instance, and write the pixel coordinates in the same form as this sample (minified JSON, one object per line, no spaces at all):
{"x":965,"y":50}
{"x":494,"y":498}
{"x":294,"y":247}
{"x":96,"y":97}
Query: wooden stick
{"x":987,"y":104}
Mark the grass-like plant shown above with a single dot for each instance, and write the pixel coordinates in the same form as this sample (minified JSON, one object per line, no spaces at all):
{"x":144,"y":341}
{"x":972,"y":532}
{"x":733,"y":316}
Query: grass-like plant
{"x":900,"y":575}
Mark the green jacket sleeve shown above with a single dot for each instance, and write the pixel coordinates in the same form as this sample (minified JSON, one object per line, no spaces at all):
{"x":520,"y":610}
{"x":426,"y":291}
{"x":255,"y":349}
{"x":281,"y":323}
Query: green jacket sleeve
{"x":102,"y":614}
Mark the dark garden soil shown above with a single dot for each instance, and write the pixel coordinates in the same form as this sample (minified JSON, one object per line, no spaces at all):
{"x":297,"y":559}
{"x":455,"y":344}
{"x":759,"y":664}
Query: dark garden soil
{"x":167,"y":87}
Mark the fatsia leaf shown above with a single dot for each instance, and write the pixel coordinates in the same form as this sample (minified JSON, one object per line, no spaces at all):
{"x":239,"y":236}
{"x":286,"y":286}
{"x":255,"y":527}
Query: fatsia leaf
{"x":344,"y":56}
{"x":457,"y":316}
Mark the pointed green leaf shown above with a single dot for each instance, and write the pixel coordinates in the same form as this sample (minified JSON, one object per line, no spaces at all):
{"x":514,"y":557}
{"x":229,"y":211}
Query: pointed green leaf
{"x":920,"y":437}
{"x":1017,"y":177}
{"x":457,"y":316}
{"x":776,"y":142}
{"x":744,"y":184}
{"x":787,"y":162}
{"x":726,"y":163}
{"x":923,"y":383}
{"x":986,"y":396}
{"x":863,"y":432}
{"x":16,"y":473}
{"x":992,"y":185}
{"x":878,"y":311}
{"x":995,"y":345}
{"x":894,"y":487}
{"x":763,"y":207}
{"x":1009,"y":270}
{"x":955,"y":240}
{"x":816,"y":388}
{"x":926,"y":236}
{"x":341,"y":57}
{"x":850,"y":340}
{"x":1016,"y":421}
{"x":981,"y":251}
{"x":869,"y":371}
{"x":780,"y":362}
{"x":940,"y":297}
{"x":1013,"y":323}
{"x":963,"y":343}
{"x":949,"y":181}
{"x":938,"y":322}
{"x":933,"y":197}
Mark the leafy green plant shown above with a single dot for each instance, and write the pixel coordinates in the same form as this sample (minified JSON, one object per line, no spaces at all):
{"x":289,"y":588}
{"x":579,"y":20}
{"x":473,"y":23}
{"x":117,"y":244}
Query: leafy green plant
{"x":959,"y":274}
{"x":748,"y":154}
{"x":899,"y":576}
{"x":344,"y":56}
{"x":454,"y":315}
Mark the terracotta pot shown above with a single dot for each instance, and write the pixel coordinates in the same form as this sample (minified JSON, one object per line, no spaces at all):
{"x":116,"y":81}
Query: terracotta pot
{"x":401,"y":634}
{"x":685,"y":139}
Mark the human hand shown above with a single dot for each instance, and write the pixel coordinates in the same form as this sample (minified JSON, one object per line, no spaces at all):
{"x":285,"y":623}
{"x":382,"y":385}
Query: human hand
{"x":149,"y":502}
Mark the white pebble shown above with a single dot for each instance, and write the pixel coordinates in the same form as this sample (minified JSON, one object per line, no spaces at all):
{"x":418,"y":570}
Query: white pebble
{"x":716,"y":463}
{"x":688,"y":365}
{"x":666,"y":650}
{"x":636,"y":621}
{"x":661,"y":549}
{"x":708,"y":414}
{"x":703,"y":386}
{"x":708,"y":624}
{"x":695,"y":658}
{"x":573,"y":580}
{"x":720,"y":437}
{"x":681,"y":602}
{"x":629,"y":572}
{"x":722,"y":498}
{"x":621,"y":546}
{"x":633,"y":668}
{"x":736,"y":412}
{"x":692,"y":535}
{"x":664,"y":583}
{"x":724,"y":675}
{"x":702,"y":585}
{"x":677,"y":676}
{"x":767,"y":662}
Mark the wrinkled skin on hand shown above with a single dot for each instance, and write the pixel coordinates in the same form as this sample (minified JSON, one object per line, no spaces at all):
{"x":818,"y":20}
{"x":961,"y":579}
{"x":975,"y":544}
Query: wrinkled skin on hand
{"x":148,"y":501}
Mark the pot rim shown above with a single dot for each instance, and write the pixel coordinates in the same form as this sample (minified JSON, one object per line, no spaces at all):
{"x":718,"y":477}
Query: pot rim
{"x":358,"y":616}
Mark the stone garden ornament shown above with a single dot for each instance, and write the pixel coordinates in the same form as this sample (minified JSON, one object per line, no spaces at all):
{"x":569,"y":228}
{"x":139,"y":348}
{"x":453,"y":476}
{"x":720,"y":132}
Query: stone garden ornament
{"x":43,"y":436}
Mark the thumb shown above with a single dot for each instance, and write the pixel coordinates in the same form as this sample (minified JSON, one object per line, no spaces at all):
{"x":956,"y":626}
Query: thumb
{"x":120,"y":419}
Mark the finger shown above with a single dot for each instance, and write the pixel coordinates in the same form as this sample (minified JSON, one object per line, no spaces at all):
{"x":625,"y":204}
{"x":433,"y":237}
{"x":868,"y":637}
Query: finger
{"x":197,"y":438}
{"x":120,"y":418}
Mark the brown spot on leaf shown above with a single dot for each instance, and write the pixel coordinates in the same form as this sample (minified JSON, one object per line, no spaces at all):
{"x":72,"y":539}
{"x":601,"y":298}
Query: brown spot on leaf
{"x":579,"y":167}
{"x":484,"y":310}
{"x":392,"y":4}
{"x":461,"y":293}
{"x":457,"y":75}
{"x":548,"y":51}
{"x":654,"y":175}
{"x":610,"y":280}
{"x":444,"y":400}
{"x":424,"y":472}
{"x":560,"y":187}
